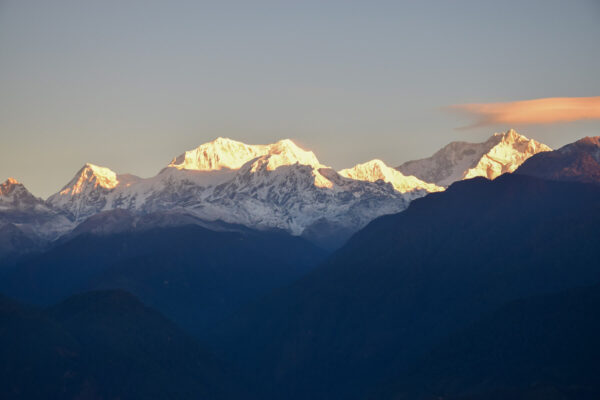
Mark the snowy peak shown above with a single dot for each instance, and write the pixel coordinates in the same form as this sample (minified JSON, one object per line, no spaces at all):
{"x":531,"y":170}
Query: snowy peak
{"x":14,"y":195}
{"x":91,"y":175}
{"x":285,"y":152}
{"x":29,"y":215}
{"x":223,"y":153}
{"x":87,"y":192}
{"x":501,"y":153}
{"x":11,"y":181}
{"x":510,"y":136}
{"x":282,"y":161}
{"x":289,"y":153}
{"x":285,"y":160}
{"x":506,"y":156}
{"x":9,"y":186}
{"x":516,"y":140}
{"x":375,"y":170}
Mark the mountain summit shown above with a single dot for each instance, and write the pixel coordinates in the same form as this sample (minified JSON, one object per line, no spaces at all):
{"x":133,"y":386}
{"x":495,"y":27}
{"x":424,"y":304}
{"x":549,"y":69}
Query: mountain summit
{"x":14,"y":197}
{"x":87,"y":192}
{"x":501,"y":153}
{"x":12,"y":190}
{"x":223,"y":153}
{"x":25,"y":220}
{"x":375,"y":170}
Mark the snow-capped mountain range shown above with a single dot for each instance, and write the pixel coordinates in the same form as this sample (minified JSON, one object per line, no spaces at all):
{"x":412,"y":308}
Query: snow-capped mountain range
{"x":501,"y":153}
{"x":273,"y":186}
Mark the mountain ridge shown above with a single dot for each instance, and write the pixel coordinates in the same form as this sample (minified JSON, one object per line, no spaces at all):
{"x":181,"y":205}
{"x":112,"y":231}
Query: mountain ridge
{"x":578,"y":161}
{"x":375,"y":170}
{"x":501,"y":153}
{"x":268,"y":186}
{"x":27,"y":222}
{"x":274,"y":186}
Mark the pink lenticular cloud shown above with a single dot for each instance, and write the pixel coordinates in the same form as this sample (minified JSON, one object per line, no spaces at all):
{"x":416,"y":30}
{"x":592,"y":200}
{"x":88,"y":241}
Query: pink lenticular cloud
{"x":539,"y":111}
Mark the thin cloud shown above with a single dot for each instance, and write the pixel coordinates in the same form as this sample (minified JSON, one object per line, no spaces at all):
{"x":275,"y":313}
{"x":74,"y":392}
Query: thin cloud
{"x":539,"y":111}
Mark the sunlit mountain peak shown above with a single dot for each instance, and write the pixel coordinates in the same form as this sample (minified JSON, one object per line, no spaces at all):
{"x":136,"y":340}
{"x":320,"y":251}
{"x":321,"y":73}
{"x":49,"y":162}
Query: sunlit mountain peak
{"x":375,"y":170}
{"x":286,"y":152}
{"x":14,"y":196}
{"x":221,"y":153}
{"x":506,"y":155}
{"x":91,"y":175}
{"x":501,"y":153}
{"x":224,"y":153}
{"x":9,"y":186}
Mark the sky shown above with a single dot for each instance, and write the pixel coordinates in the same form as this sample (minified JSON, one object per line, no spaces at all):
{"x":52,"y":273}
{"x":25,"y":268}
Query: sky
{"x":131,"y":84}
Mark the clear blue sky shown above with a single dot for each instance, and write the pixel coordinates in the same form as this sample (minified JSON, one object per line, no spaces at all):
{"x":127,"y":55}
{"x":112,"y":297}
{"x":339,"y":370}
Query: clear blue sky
{"x":131,"y":84}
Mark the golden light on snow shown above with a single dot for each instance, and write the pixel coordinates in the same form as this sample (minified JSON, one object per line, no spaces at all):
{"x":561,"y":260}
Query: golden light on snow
{"x":538,"y":111}
{"x":322,"y":182}
{"x":223,"y":153}
{"x":7,"y":186}
{"x":375,"y":170}
{"x":90,"y":173}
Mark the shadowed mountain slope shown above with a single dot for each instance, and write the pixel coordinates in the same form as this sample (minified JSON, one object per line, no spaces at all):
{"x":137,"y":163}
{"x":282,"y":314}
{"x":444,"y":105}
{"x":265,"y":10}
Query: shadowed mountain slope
{"x":544,"y":347}
{"x":408,"y":280}
{"x":578,"y":162}
{"x":194,"y":275}
{"x":102,"y":345}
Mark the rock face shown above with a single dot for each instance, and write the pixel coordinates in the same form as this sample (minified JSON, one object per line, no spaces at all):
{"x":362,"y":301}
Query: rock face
{"x":578,"y":162}
{"x":501,"y":153}
{"x":274,"y":186}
